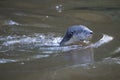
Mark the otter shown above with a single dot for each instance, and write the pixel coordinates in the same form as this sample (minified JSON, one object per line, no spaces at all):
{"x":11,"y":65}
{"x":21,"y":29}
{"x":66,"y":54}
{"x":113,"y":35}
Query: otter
{"x":76,"y":34}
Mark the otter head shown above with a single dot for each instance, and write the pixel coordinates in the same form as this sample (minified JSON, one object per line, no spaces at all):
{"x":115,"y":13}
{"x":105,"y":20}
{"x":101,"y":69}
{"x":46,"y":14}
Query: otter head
{"x":77,"y":33}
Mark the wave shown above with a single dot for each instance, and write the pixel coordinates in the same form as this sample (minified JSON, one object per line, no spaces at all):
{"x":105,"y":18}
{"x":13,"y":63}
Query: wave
{"x":39,"y":43}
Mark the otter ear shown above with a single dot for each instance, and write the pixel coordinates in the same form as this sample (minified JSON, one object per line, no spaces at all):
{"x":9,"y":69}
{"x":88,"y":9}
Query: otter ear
{"x":66,"y":38}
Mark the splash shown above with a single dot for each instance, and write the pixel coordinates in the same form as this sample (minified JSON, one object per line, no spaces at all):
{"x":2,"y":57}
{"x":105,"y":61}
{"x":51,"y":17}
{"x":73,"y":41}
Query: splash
{"x":46,"y":43}
{"x":37,"y":46}
{"x":117,"y":50}
{"x":11,"y":23}
{"x":35,"y":40}
{"x":105,"y":39}
{"x":7,"y":61}
{"x":59,"y":8}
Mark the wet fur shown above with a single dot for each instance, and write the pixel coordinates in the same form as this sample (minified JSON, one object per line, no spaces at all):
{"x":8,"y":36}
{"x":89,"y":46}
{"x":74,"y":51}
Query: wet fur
{"x":75,"y":34}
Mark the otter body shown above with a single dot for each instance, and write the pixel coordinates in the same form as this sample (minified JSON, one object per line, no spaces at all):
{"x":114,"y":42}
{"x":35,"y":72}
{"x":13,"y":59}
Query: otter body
{"x":76,"y":34}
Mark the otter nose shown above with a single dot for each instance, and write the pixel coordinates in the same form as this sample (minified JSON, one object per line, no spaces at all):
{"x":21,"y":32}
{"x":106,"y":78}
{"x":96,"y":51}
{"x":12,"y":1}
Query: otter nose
{"x":91,"y":32}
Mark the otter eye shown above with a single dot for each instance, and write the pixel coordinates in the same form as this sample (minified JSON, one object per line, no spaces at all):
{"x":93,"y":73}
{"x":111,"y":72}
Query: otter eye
{"x":71,"y":33}
{"x":84,"y":31}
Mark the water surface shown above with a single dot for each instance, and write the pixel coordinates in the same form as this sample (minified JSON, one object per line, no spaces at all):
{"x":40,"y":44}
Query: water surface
{"x":30,"y":32}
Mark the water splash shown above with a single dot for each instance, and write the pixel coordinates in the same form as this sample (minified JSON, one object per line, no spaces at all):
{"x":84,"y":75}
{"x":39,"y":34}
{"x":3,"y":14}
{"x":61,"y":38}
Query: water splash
{"x":48,"y":43}
{"x":117,"y":50}
{"x":59,"y":8}
{"x":105,"y":39}
{"x":11,"y":23}
{"x":41,"y":39}
{"x":7,"y":61}
{"x":39,"y":43}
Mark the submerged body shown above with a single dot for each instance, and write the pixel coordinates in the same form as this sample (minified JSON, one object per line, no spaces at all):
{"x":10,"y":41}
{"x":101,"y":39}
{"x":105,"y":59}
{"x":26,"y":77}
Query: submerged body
{"x":76,"y":34}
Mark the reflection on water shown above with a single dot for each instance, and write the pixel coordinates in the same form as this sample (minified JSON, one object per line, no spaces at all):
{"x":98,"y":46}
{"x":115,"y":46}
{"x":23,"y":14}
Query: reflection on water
{"x":90,"y":71}
{"x":30,"y":32}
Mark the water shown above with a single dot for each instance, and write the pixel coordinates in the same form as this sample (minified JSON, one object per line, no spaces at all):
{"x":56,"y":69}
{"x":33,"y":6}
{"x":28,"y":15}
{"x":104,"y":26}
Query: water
{"x":30,"y":32}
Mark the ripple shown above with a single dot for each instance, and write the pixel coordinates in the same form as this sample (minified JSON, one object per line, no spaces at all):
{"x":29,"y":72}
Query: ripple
{"x":110,"y":60}
{"x":31,"y":47}
{"x":92,"y":16}
{"x":117,"y":50}
{"x":44,"y":42}
{"x":3,"y":61}
{"x":41,"y":39}
{"x":7,"y":61}
{"x":11,"y":23}
{"x":105,"y":39}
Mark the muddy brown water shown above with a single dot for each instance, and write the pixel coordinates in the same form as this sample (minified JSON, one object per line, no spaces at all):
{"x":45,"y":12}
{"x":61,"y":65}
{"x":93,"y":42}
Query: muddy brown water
{"x":30,"y":32}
